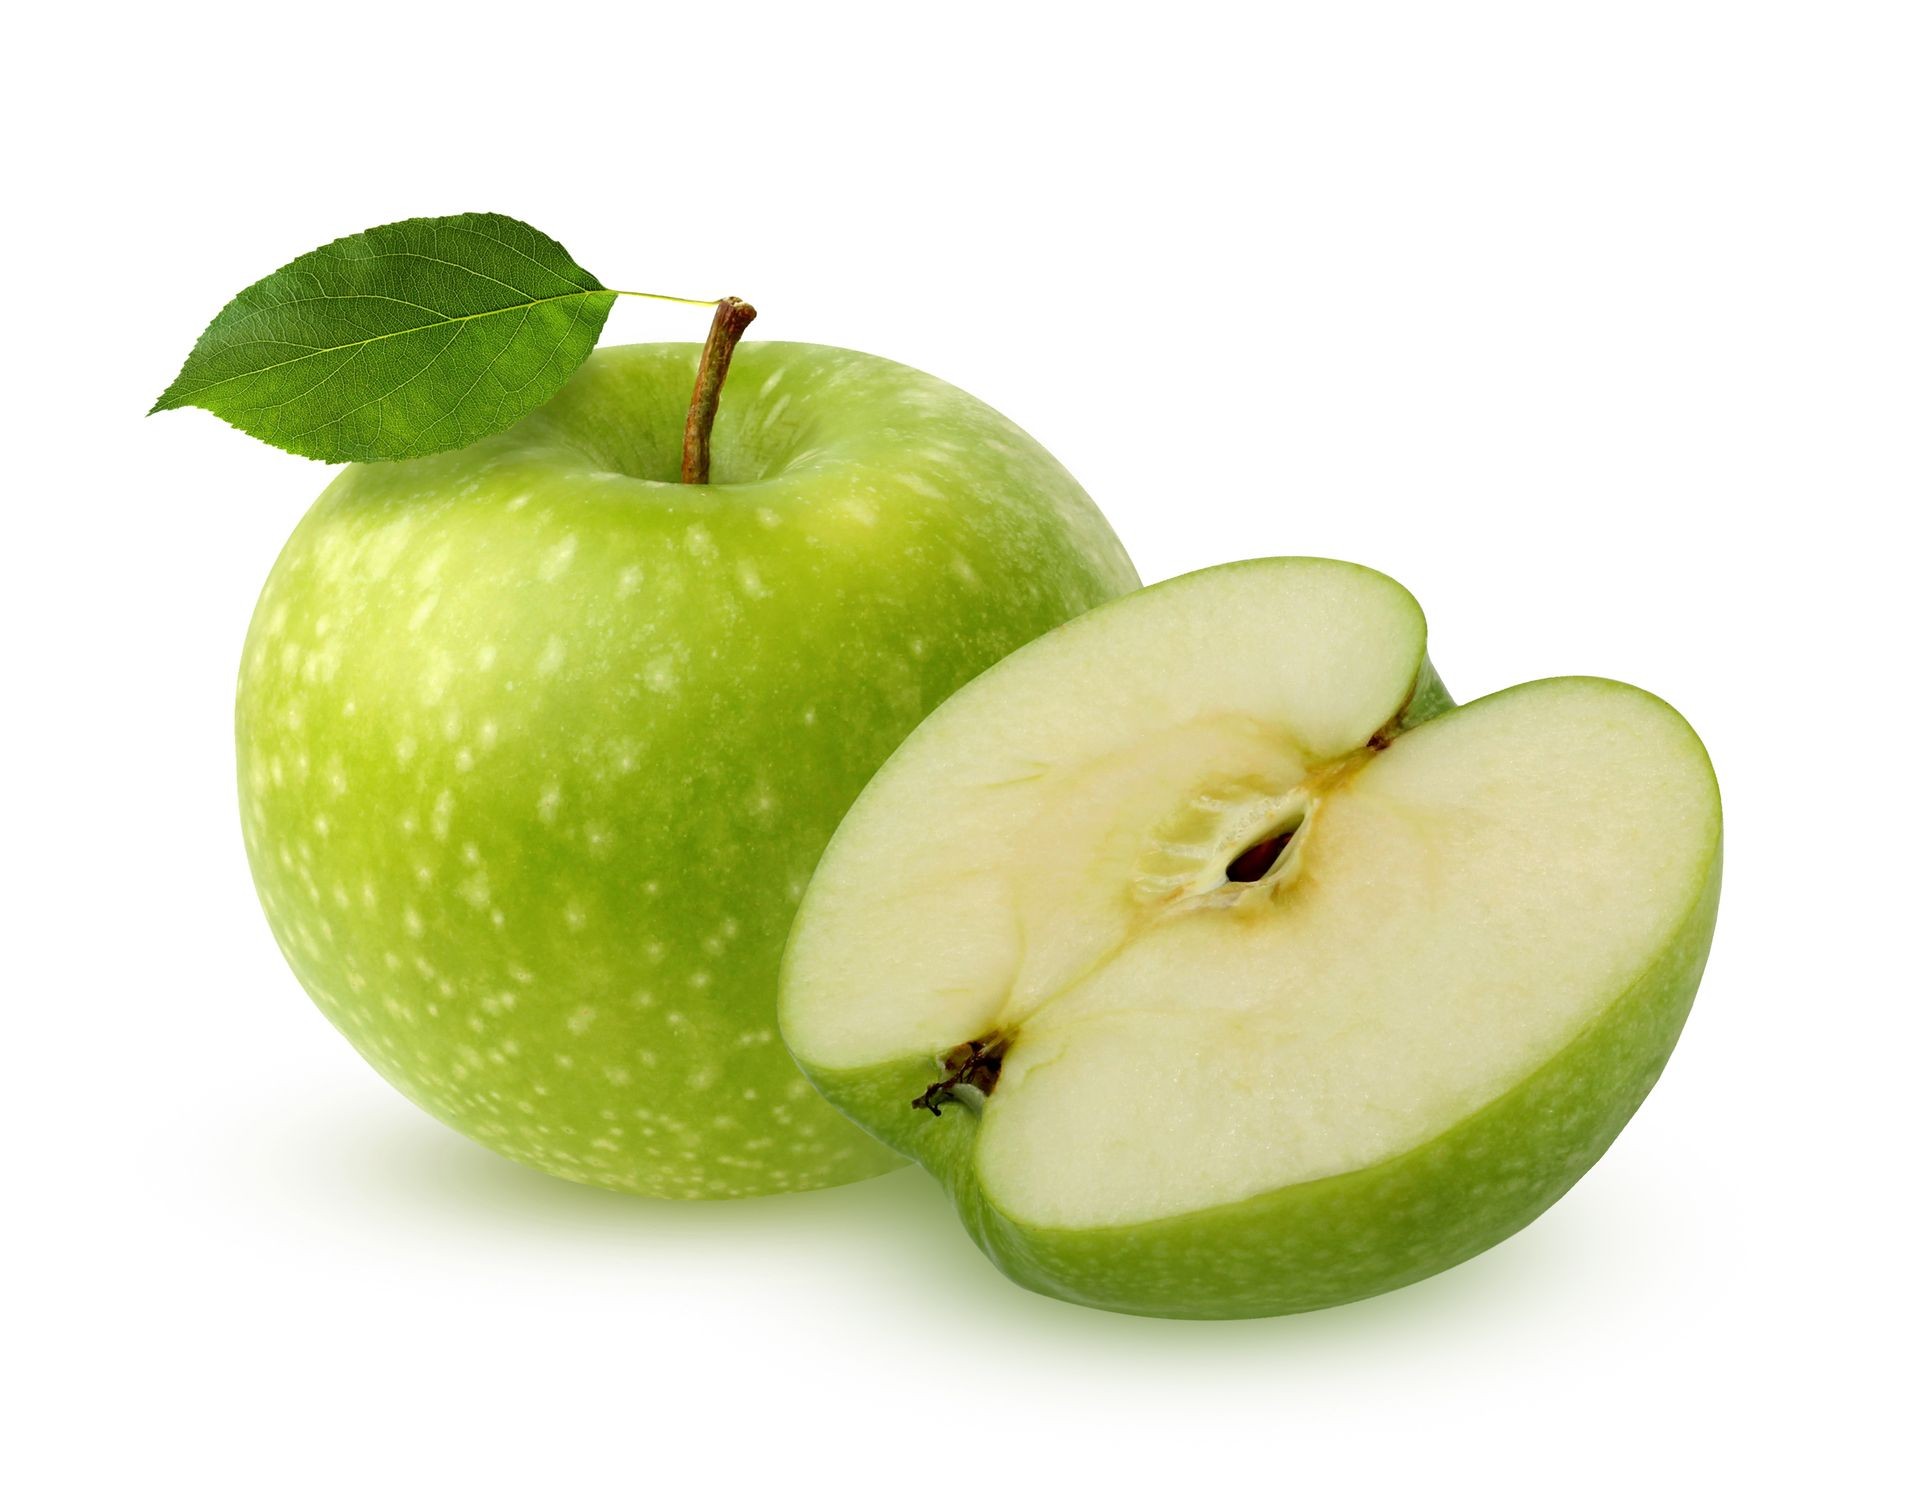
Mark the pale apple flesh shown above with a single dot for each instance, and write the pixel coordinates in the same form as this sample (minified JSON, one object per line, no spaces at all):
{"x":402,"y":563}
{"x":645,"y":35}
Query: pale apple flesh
{"x":538,"y":745}
{"x":1245,"y":975}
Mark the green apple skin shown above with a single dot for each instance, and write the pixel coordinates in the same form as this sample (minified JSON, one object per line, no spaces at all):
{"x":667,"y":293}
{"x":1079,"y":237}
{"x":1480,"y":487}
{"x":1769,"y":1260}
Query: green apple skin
{"x":1336,"y":1239}
{"x":538,"y":747}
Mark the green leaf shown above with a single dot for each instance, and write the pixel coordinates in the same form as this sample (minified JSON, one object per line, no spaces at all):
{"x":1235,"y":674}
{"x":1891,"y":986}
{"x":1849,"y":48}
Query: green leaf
{"x":420,"y":336}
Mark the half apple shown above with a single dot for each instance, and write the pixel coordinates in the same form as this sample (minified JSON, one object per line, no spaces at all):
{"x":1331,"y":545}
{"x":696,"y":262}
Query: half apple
{"x":1219,"y":966}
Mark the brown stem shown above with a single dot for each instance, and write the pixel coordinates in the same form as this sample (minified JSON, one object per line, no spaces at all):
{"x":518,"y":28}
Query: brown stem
{"x":730,"y":318}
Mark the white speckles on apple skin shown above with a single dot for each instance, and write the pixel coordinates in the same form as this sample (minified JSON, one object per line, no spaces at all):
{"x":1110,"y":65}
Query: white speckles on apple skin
{"x":534,"y":764}
{"x":559,"y":559}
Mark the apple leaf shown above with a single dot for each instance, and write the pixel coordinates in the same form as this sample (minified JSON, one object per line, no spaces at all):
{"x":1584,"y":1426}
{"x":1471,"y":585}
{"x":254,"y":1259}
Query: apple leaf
{"x":419,"y":336}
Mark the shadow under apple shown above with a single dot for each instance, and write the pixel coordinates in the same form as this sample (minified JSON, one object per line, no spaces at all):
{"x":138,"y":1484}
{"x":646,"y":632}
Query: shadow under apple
{"x":898,"y":1233}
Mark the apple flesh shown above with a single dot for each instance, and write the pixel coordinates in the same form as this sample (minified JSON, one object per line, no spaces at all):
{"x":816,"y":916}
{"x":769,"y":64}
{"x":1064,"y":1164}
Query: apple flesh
{"x":538,"y":745}
{"x":1220,"y":967}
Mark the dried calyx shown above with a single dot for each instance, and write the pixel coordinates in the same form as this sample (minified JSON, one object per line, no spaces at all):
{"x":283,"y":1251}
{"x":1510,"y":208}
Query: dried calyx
{"x":972,"y":1065}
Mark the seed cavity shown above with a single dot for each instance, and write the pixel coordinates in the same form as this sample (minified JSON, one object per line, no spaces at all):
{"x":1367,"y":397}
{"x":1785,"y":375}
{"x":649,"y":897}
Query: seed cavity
{"x":1256,"y":860}
{"x":1263,"y":853}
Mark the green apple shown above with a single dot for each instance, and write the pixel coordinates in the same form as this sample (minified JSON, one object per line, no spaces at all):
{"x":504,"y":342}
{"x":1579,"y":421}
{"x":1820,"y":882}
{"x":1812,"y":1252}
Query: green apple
{"x":538,"y":745}
{"x":1219,"y":966}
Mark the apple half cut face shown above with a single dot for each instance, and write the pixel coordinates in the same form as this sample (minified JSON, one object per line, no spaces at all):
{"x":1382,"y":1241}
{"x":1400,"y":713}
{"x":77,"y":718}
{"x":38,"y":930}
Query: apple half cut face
{"x":1220,"y":966}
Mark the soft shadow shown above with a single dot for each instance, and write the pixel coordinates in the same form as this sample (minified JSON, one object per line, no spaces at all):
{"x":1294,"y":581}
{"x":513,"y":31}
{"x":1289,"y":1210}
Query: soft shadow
{"x":398,"y":1162}
{"x":405,"y":1165}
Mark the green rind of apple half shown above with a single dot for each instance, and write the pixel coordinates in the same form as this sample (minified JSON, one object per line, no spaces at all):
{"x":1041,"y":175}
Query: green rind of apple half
{"x":1339,"y":1238}
{"x":538,"y":745}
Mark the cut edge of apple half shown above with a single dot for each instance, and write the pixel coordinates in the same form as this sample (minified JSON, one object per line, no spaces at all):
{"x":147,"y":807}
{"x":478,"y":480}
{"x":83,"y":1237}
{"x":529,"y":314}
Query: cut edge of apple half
{"x":1211,"y":894}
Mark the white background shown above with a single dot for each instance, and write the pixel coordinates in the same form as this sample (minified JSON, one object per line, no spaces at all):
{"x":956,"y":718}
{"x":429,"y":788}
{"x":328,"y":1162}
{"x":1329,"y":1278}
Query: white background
{"x":1596,"y":325}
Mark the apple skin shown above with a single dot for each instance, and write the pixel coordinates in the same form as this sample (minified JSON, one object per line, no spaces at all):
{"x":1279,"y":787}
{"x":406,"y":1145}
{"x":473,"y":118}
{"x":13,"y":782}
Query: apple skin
{"x":538,"y":746}
{"x":1335,"y":1239}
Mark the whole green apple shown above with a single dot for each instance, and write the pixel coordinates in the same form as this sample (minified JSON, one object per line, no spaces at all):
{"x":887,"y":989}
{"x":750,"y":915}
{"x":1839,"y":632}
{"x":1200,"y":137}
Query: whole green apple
{"x":1220,"y":966}
{"x":538,"y":744}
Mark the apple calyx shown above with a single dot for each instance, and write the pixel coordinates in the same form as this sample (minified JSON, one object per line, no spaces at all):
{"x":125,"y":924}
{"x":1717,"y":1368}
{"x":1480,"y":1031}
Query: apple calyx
{"x":730,"y":318}
{"x":972,"y":1065}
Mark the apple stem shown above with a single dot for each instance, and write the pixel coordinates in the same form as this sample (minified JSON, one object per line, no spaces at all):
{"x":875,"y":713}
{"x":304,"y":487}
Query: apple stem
{"x":730,"y":318}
